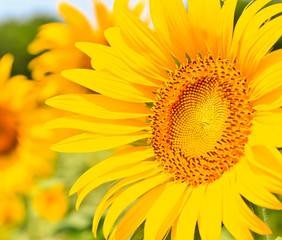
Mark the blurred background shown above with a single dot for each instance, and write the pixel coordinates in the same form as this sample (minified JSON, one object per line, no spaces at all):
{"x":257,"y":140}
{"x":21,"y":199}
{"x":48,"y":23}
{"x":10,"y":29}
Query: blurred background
{"x":20,"y":20}
{"x":19,"y":24}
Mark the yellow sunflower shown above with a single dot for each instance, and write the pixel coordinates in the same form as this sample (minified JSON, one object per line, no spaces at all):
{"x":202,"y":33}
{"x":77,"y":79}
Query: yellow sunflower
{"x":51,"y":203}
{"x":206,"y":96}
{"x":59,"y":40}
{"x":24,"y":141}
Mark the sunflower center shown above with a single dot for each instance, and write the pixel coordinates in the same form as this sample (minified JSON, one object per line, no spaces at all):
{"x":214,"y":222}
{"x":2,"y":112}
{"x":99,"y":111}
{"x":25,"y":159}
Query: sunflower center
{"x":8,"y":133}
{"x":201,"y":120}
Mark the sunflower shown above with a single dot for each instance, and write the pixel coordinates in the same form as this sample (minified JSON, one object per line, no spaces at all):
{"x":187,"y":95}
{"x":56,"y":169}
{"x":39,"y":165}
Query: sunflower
{"x":57,"y":42}
{"x":51,"y":203}
{"x":24,"y":152}
{"x":204,"y":95}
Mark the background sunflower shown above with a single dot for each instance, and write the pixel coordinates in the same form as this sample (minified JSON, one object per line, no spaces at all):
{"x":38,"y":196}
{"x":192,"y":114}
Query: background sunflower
{"x":23,"y":140}
{"x":56,"y":41}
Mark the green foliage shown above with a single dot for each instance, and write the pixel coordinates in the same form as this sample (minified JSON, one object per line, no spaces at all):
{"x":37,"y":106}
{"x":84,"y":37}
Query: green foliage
{"x":225,"y":235}
{"x":16,"y":36}
{"x":139,"y":233}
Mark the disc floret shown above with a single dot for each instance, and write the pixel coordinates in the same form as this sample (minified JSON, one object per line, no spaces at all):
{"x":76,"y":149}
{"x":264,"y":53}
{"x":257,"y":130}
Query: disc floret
{"x":201,"y":120}
{"x":8,"y":132}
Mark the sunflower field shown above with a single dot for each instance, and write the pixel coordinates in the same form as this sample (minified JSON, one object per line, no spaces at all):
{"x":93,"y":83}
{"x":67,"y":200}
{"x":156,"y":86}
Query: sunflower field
{"x":160,"y":119}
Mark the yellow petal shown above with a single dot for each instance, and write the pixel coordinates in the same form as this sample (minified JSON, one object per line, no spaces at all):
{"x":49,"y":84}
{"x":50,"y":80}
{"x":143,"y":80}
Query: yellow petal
{"x":268,"y":118}
{"x":118,"y":173}
{"x":165,"y":209}
{"x":266,"y":81}
{"x":252,"y":221}
{"x":225,"y":27}
{"x":267,"y":128}
{"x":270,"y":101}
{"x":259,"y":40}
{"x":173,"y":229}
{"x":243,"y":21}
{"x":267,"y":68}
{"x":15,"y":98}
{"x":248,"y":185}
{"x":110,"y":85}
{"x":137,"y":213}
{"x":74,"y":18}
{"x":98,"y":106}
{"x":231,"y":219}
{"x":194,"y":14}
{"x":139,"y":8}
{"x":241,"y":212}
{"x":271,"y":153}
{"x":99,"y":211}
{"x":104,"y":17}
{"x":268,"y":171}
{"x":203,"y":16}
{"x":139,"y":36}
{"x":51,"y":35}
{"x":105,"y":57}
{"x":90,"y":142}
{"x":139,"y":62}
{"x":189,"y":214}
{"x":210,"y":217}
{"x":128,"y":196}
{"x":104,"y":126}
{"x":57,"y":60}
{"x":211,"y":16}
{"x":115,"y":190}
{"x":170,"y":222}
{"x":123,"y":158}
{"x":5,"y":67}
{"x":269,"y":60}
{"x":171,"y":23}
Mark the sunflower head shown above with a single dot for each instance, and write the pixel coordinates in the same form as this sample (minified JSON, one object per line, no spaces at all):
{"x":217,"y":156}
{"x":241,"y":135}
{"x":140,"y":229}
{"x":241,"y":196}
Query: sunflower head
{"x":201,"y":121}
{"x":51,"y":203}
{"x":56,"y":43}
{"x":205,"y":94}
{"x":24,"y":141}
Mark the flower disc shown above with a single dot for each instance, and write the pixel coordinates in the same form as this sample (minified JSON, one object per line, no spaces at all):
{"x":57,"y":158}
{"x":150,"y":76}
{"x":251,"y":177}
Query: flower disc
{"x":8,"y":133}
{"x":201,"y":120}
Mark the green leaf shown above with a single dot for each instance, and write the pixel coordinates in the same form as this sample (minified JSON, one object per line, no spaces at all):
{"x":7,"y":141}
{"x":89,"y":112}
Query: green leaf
{"x":16,"y":34}
{"x":197,"y":234}
{"x":225,"y":235}
{"x":139,"y":233}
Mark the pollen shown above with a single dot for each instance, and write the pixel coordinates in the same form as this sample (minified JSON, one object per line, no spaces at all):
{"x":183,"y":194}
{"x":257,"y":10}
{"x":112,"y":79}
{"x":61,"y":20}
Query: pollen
{"x":201,"y":120}
{"x":8,"y":133}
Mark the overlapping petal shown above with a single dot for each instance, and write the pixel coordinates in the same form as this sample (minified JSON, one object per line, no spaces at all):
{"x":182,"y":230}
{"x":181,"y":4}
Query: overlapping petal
{"x":131,"y":72}
{"x":99,"y":106}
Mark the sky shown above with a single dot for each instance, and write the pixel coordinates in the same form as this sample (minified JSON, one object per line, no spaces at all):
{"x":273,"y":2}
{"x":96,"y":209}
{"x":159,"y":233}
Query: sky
{"x":25,"y":8}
